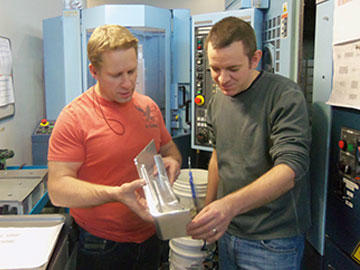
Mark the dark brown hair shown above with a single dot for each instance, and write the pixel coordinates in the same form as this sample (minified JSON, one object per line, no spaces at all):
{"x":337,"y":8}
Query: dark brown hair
{"x":229,"y":30}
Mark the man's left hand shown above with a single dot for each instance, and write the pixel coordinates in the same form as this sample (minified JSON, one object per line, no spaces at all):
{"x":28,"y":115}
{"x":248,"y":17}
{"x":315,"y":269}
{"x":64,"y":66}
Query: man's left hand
{"x":212,"y":221}
{"x":172,"y":167}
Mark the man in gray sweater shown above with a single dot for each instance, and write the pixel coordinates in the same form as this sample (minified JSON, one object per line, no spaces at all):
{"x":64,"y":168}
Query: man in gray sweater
{"x":258,"y":198}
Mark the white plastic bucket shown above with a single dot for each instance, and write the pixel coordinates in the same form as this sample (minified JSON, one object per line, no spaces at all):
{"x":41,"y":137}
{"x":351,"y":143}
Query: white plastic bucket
{"x":187,"y":253}
{"x":182,"y":188}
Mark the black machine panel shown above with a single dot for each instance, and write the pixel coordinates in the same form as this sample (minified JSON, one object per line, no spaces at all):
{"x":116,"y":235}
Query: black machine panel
{"x":204,"y":86}
{"x":349,"y":159}
{"x":343,"y":202}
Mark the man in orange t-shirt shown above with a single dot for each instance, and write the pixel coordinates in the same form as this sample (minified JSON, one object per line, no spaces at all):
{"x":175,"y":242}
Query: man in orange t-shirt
{"x":90,"y":159}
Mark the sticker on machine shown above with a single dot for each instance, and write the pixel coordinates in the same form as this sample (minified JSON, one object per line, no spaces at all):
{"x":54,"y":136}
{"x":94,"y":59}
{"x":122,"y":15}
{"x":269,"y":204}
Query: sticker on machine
{"x":356,"y":253}
{"x":284,"y":21}
{"x":350,"y":185}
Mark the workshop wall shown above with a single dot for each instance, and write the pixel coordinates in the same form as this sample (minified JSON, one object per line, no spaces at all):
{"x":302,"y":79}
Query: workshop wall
{"x":21,"y":22}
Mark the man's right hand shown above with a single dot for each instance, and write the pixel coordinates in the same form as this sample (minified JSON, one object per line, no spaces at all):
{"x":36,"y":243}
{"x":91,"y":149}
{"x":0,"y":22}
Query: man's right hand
{"x":129,"y":195}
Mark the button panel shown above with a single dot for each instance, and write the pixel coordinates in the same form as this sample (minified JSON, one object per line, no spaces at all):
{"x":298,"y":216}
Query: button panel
{"x":45,"y":127}
{"x":204,"y":87}
{"x":349,"y":157}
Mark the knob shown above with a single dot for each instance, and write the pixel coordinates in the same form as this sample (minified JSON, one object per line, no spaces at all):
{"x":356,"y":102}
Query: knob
{"x":199,"y":100}
{"x":202,"y":137}
{"x":347,"y":169}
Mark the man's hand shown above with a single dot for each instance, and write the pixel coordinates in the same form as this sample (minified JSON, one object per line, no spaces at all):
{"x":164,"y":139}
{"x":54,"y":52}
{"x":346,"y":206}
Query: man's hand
{"x":212,"y":221}
{"x":129,"y":195}
{"x":172,"y":167}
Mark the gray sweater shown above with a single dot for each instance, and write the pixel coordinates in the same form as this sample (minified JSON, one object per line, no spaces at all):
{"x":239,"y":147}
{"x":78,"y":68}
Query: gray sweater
{"x":261,"y":127}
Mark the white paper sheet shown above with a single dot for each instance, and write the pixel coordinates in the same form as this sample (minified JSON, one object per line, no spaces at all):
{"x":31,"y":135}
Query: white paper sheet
{"x":27,"y":248}
{"x":346,"y":21}
{"x":6,"y":81}
{"x":346,"y":78}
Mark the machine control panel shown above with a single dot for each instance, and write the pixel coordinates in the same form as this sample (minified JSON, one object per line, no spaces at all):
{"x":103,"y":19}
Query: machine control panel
{"x":45,"y":127}
{"x":349,"y":156}
{"x":348,"y":166}
{"x":204,"y":87}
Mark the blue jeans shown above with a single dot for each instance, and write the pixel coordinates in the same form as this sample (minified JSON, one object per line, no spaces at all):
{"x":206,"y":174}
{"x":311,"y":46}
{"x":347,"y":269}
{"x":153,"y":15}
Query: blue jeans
{"x":275,"y":254}
{"x":95,"y":253}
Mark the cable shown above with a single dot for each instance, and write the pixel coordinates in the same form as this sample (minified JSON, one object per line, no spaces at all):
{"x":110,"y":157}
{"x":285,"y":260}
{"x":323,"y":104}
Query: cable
{"x":106,"y":120}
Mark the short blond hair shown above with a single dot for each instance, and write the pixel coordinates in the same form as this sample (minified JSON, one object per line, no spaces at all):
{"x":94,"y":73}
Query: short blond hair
{"x":109,"y":37}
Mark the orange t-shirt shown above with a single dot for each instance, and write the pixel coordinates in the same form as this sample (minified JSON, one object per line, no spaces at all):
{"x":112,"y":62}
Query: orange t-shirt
{"x":106,"y":139}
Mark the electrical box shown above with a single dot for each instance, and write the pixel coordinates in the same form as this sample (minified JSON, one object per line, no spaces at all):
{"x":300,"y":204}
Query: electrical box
{"x":40,"y":141}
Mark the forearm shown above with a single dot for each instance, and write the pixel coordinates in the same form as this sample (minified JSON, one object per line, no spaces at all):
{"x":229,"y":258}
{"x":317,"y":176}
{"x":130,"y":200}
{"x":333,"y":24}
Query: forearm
{"x":70,"y":192}
{"x":66,"y":190}
{"x":213,"y":179}
{"x":171,"y":150}
{"x":265,"y":189}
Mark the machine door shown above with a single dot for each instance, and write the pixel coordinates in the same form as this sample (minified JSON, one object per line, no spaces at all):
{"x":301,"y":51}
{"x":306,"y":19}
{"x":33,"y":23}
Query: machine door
{"x":343,"y":207}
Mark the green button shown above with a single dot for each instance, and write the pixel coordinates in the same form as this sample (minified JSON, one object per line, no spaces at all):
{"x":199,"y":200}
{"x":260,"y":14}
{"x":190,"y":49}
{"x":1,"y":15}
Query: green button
{"x":350,"y":147}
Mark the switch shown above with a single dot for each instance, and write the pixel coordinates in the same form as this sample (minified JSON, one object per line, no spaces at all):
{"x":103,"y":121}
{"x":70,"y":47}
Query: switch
{"x":350,"y":147}
{"x":347,"y":169}
{"x":44,"y":122}
{"x":202,"y":137}
{"x":342,"y":144}
{"x":199,"y":100}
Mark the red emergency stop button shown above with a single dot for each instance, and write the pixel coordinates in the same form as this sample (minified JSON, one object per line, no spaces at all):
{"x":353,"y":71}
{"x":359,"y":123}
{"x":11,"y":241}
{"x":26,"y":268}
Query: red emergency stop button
{"x":342,"y":144}
{"x":199,"y":100}
{"x":44,"y":122}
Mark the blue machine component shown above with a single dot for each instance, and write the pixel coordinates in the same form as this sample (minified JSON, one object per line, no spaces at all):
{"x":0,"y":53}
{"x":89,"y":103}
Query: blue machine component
{"x":180,"y":72}
{"x":40,"y":142}
{"x":281,"y":38}
{"x":62,"y":66}
{"x":335,"y":195}
{"x":321,"y":122}
{"x":343,"y":204}
{"x":202,"y":84}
